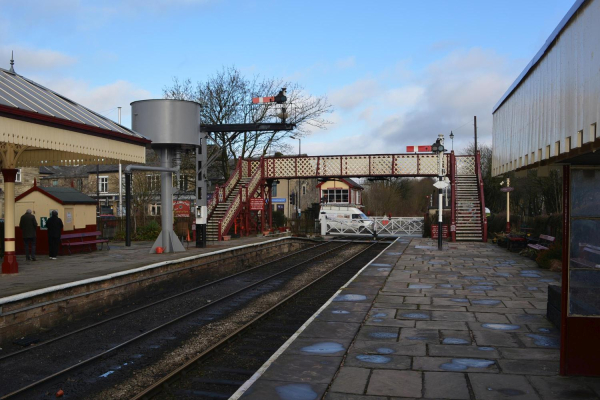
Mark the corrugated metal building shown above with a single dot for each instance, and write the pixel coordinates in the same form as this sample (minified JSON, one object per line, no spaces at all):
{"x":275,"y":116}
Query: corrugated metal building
{"x":551,"y":112}
{"x":549,"y":117}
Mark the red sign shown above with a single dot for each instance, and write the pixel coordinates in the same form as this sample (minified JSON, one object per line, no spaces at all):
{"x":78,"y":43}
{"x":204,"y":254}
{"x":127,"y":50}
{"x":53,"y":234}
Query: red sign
{"x":256,"y":204}
{"x":418,"y":149}
{"x":181,"y":208}
{"x":434,"y":231}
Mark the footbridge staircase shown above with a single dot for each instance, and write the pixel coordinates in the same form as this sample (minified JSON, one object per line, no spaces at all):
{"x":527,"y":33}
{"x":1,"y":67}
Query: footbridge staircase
{"x":232,"y":203}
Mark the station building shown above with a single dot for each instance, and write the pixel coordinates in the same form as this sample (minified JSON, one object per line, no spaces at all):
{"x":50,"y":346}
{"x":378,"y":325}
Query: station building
{"x":75,"y":209}
{"x":548,"y":119}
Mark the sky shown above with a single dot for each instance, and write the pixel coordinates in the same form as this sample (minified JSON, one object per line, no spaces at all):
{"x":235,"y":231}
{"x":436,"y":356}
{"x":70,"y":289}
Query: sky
{"x":397,"y":73}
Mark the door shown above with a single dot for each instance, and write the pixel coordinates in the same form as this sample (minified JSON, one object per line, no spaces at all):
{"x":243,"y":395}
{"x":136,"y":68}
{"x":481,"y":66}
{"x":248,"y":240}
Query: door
{"x":68,"y":220}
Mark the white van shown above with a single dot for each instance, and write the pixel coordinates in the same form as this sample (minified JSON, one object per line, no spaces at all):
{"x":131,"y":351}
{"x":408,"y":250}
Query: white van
{"x":343,"y":219}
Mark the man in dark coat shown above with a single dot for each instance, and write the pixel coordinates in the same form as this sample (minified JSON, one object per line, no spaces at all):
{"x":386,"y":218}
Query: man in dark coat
{"x":28,"y":226}
{"x":55,"y":227}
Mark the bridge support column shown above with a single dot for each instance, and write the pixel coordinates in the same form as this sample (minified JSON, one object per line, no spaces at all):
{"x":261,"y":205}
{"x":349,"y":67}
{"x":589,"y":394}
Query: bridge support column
{"x":270,"y":189}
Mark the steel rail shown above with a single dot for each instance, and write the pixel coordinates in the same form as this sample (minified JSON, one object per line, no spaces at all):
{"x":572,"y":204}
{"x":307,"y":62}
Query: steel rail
{"x":156,"y":388}
{"x":83,"y":329}
{"x":166,"y":324}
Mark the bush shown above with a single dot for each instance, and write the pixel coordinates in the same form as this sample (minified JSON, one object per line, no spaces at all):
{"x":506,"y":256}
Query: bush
{"x":546,"y":256}
{"x":279,"y":219}
{"x":150,"y":231}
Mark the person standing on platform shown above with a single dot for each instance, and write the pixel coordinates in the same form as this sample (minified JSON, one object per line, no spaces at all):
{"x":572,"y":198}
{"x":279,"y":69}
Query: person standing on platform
{"x":55,"y":227}
{"x":28,"y":226}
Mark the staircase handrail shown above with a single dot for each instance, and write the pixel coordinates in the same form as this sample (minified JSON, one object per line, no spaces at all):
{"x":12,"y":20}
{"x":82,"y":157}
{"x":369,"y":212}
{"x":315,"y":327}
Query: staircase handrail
{"x":213,"y":202}
{"x":236,"y":204}
{"x":224,"y":190}
{"x":481,"y":196}
{"x":233,"y":178}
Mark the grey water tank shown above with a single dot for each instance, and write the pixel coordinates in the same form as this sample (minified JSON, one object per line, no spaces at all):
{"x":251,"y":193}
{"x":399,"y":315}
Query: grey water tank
{"x":167,"y":122}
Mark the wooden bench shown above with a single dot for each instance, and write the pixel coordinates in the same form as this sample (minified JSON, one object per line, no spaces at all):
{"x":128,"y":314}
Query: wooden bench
{"x":542,"y":243}
{"x":589,"y":257}
{"x":83,"y":239}
{"x":515,"y":242}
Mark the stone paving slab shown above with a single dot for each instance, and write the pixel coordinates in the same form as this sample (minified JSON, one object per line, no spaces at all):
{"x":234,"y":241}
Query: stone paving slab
{"x":465,"y":323}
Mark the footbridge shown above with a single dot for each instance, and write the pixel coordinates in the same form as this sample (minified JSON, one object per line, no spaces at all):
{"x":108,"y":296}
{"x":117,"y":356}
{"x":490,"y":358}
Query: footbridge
{"x":253,"y":178}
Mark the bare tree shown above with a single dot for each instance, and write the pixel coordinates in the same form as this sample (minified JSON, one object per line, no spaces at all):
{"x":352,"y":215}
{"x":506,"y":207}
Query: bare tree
{"x":226,"y":98}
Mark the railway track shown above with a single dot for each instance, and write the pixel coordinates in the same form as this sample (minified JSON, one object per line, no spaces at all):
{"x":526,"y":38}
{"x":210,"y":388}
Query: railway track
{"x":221,"y":369}
{"x":37,"y":371}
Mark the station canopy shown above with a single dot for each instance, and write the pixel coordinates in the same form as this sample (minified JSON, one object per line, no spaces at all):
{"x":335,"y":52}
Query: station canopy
{"x":44,"y":128}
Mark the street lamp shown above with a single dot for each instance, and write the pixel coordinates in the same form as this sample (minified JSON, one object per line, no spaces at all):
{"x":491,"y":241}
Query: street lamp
{"x":438,"y":148}
{"x":507,"y":189}
{"x":452,"y":138}
{"x":299,"y":154}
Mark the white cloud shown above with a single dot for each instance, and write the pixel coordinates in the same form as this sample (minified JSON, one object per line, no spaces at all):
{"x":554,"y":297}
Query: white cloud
{"x":350,"y":96}
{"x":346,"y":63}
{"x":34,"y":60}
{"x":405,"y":96}
{"x":382,"y":115}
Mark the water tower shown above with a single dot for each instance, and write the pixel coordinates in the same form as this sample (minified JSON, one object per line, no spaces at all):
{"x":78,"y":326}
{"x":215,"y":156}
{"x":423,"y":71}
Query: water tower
{"x":173,"y":126}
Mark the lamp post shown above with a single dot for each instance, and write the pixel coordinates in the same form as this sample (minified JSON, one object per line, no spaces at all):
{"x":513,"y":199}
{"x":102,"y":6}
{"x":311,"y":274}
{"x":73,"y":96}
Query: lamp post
{"x":298,"y":207}
{"x":452,"y":139}
{"x":438,"y":147}
{"x":507,"y":189}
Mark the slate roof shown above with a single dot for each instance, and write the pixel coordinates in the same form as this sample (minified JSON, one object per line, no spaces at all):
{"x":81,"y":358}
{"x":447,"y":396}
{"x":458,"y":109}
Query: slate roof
{"x":64,"y":195}
{"x":24,"y":97}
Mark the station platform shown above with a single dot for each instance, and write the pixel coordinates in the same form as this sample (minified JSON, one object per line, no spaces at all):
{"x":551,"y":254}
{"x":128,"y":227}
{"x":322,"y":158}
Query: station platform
{"x":45,"y":273}
{"x":465,"y":323}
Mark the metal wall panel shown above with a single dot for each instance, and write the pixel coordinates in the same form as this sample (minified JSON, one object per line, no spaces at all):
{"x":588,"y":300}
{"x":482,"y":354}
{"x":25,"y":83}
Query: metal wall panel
{"x":559,"y":98}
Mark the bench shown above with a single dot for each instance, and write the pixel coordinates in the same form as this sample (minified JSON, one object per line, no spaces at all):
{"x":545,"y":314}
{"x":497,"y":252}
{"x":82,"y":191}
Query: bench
{"x":83,"y":239}
{"x":515,"y":242}
{"x":589,"y":257}
{"x":542,"y":243}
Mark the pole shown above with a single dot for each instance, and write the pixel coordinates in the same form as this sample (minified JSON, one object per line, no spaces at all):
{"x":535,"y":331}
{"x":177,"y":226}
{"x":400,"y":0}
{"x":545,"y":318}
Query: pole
{"x":128,"y":210}
{"x":98,"y":188}
{"x":440,"y":194}
{"x":299,"y":188}
{"x":475,"y":125}
{"x":508,"y":207}
{"x":120,"y":211}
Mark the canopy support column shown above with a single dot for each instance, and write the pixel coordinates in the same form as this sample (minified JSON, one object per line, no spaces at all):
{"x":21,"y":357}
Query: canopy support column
{"x":9,"y":264}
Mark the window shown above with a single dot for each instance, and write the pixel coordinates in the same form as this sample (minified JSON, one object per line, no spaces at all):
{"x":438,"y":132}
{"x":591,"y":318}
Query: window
{"x":54,"y":182}
{"x":184,"y":182}
{"x":79,"y":184}
{"x":18,"y":177}
{"x":303,"y":189}
{"x":154,"y":209}
{"x":153,"y":182}
{"x":274,"y":189}
{"x":336,"y":195}
{"x":103,"y":184}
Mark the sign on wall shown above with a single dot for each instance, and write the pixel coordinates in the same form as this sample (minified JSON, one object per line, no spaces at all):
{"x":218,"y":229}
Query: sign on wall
{"x":256,"y":204}
{"x":43,"y":222}
{"x":181,"y":208}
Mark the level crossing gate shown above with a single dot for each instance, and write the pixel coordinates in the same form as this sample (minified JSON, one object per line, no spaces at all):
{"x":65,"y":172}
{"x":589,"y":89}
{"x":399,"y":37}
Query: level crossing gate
{"x":380,"y":226}
{"x":253,"y":178}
